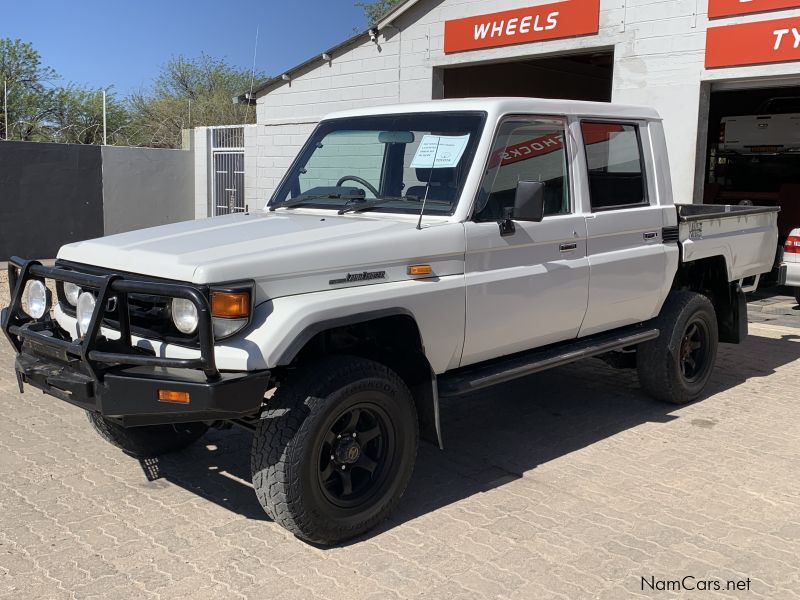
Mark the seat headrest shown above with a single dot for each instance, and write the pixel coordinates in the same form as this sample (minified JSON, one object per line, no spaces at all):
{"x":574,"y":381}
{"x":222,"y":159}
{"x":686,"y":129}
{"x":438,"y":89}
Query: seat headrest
{"x":439,"y":175}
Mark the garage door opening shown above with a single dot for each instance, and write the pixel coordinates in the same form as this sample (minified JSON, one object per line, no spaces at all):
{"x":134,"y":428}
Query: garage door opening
{"x":754,"y":151}
{"x":574,"y":77}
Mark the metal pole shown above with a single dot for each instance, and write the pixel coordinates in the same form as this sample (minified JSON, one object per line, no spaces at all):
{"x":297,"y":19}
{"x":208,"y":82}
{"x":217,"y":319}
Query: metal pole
{"x":5,"y":105}
{"x":104,"y":117}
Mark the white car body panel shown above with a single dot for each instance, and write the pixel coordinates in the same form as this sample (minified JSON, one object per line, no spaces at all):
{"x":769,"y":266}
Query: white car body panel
{"x":627,"y":270}
{"x":512,"y":281}
{"x":747,"y":242}
{"x":792,"y":262}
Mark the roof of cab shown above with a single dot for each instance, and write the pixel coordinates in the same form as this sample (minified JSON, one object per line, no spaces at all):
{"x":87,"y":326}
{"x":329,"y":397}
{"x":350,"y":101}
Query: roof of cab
{"x":501,"y":106}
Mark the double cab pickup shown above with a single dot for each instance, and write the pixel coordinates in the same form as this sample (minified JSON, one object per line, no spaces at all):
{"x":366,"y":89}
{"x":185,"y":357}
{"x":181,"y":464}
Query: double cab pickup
{"x":409,"y":253}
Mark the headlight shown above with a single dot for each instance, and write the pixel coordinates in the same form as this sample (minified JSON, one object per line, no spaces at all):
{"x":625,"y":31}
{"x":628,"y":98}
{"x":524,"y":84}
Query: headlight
{"x":84,"y":312}
{"x":71,"y":293}
{"x":37,"y":299}
{"x":184,"y":315}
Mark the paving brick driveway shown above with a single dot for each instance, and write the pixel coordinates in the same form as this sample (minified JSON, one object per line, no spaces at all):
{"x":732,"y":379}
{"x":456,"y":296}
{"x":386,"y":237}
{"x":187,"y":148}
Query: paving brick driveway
{"x":569,"y":484}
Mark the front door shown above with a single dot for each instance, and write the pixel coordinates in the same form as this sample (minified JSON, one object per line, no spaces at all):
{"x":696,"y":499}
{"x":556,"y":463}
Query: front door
{"x":529,"y":288}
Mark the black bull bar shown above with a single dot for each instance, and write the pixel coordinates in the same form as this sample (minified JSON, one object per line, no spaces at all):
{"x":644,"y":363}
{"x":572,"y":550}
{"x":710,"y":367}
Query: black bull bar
{"x":114,"y":377}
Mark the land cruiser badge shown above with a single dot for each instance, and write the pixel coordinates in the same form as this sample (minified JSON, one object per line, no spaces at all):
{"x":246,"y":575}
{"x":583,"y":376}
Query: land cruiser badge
{"x":354,"y":277}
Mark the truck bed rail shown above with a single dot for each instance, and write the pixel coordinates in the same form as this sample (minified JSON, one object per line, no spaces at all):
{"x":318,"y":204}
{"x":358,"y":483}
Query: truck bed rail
{"x":697,"y":212}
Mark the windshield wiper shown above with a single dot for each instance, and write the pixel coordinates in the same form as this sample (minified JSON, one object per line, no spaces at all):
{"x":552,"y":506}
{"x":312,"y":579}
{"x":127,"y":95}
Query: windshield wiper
{"x":308,"y":199}
{"x":372,"y":204}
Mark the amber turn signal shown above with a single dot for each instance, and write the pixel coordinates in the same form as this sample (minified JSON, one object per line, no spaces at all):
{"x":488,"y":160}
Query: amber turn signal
{"x":420,"y":270}
{"x":230,"y":305}
{"x":173,"y":396}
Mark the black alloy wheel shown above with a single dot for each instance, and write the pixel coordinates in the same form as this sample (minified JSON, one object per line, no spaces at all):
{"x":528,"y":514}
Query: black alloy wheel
{"x":694,"y":351}
{"x":354,"y":454}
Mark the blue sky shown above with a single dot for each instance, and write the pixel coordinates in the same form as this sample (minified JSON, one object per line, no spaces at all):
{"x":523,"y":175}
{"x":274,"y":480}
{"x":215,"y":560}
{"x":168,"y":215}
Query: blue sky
{"x":123,"y":43}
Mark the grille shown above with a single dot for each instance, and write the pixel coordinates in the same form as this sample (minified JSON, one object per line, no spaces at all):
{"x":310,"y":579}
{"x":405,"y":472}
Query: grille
{"x":150,"y":316}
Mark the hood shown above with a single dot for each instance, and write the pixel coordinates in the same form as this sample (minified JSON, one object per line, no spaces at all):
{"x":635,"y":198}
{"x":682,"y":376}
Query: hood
{"x":317,"y":251}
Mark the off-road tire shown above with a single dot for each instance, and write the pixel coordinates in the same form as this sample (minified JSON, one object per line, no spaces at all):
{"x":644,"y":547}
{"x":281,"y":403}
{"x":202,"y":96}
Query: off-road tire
{"x":659,"y":360}
{"x":148,"y":441}
{"x":289,"y":447}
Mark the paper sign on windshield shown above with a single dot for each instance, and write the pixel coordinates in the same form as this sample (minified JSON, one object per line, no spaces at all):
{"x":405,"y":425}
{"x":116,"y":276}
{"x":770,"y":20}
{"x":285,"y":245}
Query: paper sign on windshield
{"x":447,"y":150}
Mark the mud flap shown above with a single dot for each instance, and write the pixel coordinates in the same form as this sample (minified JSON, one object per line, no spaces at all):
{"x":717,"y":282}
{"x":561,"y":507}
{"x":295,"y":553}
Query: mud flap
{"x":426,"y":399}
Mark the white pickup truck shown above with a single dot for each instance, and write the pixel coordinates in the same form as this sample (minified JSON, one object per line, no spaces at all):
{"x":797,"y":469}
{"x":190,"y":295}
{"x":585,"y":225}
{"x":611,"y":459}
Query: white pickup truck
{"x":409,"y":253}
{"x":774,"y":129}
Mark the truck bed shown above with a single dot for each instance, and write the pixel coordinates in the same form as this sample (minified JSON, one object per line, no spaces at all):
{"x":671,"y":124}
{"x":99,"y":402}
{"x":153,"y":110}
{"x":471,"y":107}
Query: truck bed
{"x":746,"y":236}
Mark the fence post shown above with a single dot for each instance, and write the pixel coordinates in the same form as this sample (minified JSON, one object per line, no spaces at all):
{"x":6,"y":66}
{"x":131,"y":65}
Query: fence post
{"x":104,"y":118}
{"x":5,"y":105}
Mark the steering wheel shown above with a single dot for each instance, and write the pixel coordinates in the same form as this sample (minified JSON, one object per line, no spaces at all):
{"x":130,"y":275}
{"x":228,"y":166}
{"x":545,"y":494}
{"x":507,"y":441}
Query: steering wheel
{"x":360,"y":181}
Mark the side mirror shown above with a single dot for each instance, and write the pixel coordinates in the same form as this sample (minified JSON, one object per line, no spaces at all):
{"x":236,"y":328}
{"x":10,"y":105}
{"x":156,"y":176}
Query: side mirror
{"x":528,"y":206}
{"x":529,"y":201}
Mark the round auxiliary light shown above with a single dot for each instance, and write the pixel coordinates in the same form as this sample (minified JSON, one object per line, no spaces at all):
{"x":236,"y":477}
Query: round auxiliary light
{"x":184,"y":315}
{"x":84,"y":312}
{"x":72,"y":292}
{"x":37,"y":299}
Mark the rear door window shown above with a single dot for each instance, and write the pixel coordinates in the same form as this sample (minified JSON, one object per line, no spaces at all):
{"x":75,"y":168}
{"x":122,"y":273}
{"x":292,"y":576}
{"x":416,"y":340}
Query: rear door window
{"x":616,"y":168}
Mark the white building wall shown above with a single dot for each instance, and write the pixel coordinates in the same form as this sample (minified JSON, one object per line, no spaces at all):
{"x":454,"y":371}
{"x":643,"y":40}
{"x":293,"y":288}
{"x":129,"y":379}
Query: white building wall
{"x":202,"y":172}
{"x":659,"y":48}
{"x":251,"y":167}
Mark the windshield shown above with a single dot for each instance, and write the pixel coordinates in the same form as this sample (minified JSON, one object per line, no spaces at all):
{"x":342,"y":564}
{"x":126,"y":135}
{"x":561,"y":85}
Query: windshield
{"x":385,"y":163}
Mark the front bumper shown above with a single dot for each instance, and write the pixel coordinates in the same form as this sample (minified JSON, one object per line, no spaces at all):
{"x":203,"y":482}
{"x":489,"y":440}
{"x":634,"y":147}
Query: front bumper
{"x":113,"y":377}
{"x":129,"y":395}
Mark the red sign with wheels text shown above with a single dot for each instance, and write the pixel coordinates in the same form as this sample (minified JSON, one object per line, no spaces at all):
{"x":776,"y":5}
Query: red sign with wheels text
{"x":753,"y":43}
{"x":523,"y":25}
{"x":727,"y":8}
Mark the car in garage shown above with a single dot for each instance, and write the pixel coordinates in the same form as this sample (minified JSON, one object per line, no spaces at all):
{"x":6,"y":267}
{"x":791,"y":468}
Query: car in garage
{"x":791,"y":260}
{"x":774,"y":129}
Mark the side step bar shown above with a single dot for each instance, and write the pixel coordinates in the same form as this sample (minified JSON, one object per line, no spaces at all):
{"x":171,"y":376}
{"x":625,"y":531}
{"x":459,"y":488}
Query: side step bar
{"x":478,"y":377}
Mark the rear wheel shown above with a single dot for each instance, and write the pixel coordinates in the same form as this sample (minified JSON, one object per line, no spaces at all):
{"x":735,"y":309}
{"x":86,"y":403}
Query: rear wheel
{"x":676,"y":366}
{"x":148,"y":441}
{"x":335,"y":450}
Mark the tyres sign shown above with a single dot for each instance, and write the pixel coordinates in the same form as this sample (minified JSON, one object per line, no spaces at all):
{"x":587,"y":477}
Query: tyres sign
{"x":753,"y":43}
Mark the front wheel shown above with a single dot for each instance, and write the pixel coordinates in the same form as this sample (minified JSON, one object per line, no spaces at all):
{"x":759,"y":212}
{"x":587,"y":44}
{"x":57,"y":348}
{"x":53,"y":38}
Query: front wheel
{"x":334,"y":452}
{"x":676,"y":366}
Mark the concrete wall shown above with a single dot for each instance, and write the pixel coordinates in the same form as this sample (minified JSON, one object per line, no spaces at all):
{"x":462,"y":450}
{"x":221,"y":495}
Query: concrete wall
{"x":659,"y":48}
{"x":50,"y":194}
{"x":145,"y":187}
{"x":54,"y":194}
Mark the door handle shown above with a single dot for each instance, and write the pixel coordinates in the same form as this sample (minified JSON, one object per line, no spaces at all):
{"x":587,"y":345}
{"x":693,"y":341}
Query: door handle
{"x":650,"y":235}
{"x":568,"y":247}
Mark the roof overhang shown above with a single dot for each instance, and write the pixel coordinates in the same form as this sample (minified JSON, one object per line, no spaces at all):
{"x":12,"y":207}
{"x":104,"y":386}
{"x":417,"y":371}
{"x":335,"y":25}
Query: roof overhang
{"x":396,"y":11}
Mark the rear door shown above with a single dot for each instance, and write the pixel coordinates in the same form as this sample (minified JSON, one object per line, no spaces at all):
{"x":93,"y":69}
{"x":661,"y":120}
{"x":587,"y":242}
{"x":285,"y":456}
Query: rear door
{"x":627,"y":261}
{"x":528,"y":288}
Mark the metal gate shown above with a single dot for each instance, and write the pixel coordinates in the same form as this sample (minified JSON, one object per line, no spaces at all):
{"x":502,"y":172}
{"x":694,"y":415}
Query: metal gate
{"x":227,"y":159}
